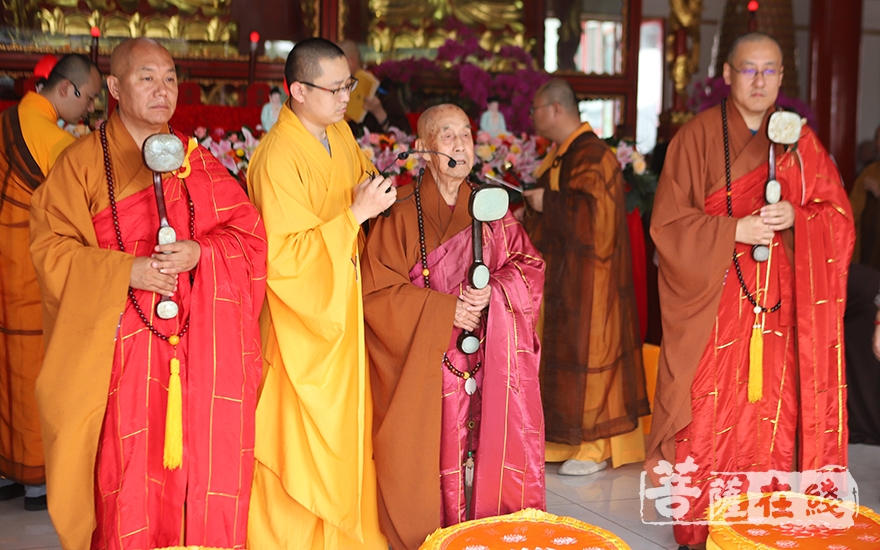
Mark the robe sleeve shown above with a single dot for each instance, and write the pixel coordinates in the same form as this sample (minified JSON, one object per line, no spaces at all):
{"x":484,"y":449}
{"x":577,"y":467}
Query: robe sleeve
{"x":72,"y":269}
{"x":83,"y":293}
{"x":404,"y":320}
{"x":308,"y":257}
{"x":695,"y":251}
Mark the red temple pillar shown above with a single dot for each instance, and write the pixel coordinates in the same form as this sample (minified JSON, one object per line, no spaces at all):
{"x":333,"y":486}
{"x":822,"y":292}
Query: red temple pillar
{"x":835,"y":39}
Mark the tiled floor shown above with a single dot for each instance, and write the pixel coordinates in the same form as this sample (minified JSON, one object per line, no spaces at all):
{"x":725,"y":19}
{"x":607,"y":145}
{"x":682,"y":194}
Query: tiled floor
{"x":609,"y":499}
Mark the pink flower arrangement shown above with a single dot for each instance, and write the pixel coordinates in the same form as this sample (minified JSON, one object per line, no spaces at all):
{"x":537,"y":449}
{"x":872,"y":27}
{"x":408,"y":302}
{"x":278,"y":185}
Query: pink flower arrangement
{"x":469,"y":63}
{"x":641,"y":183}
{"x":232,"y":149}
{"x":508,"y":156}
{"x":383,"y":151}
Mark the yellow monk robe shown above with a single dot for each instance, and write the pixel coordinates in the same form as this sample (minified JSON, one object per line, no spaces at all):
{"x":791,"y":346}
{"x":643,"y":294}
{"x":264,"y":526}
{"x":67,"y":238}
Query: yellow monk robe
{"x":612,"y":324}
{"x":314,"y":478}
{"x":31,"y":142}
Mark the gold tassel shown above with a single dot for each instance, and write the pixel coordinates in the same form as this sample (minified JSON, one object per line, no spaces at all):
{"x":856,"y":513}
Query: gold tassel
{"x":756,"y":363}
{"x":174,"y":420}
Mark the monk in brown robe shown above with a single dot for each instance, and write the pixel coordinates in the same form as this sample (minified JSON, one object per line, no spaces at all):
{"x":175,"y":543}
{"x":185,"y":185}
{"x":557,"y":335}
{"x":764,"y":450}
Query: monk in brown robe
{"x":865,"y":200}
{"x":29,"y":146}
{"x":148,"y":422}
{"x":592,"y":377}
{"x":456,"y":436}
{"x":751,"y":374}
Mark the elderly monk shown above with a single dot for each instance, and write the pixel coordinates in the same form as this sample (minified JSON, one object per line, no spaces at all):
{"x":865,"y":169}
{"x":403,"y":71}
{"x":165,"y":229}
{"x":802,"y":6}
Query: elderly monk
{"x":147,"y":422}
{"x":448,"y":451}
{"x":31,"y":143}
{"x":314,"y":481}
{"x":592,"y":377}
{"x":751,"y":373}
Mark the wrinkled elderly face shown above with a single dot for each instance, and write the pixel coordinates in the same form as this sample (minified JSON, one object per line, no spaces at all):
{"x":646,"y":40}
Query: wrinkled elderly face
{"x":754,"y":76}
{"x":449,"y":131}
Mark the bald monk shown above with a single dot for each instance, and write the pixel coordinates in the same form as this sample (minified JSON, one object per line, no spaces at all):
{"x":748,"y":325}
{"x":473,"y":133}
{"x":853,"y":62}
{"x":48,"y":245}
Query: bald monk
{"x":147,"y":422}
{"x":315,"y":482}
{"x":448,"y":450}
{"x":592,"y":378}
{"x":751,"y":374}
{"x":29,"y":146}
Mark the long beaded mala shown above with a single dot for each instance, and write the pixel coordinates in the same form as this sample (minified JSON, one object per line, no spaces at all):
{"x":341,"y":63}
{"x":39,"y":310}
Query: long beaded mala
{"x":173,"y":428}
{"x":756,"y":342}
{"x":742,"y":281}
{"x":470,"y":385}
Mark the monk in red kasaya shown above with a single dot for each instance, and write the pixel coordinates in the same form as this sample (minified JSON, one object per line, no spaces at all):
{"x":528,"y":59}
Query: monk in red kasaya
{"x":148,"y":423}
{"x":751,"y":375}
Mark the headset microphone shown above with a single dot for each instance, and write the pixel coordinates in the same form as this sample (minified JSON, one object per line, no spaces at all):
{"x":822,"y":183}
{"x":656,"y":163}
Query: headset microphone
{"x":452,"y":163}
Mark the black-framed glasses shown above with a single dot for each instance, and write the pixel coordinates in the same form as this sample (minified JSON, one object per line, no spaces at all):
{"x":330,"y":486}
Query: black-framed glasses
{"x":751,"y":72}
{"x":350,"y":87}
{"x":76,"y":91}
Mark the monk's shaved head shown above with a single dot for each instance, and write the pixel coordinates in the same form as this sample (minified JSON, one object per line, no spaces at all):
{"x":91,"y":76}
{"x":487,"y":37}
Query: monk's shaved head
{"x":559,"y":91}
{"x":752,"y":38}
{"x":304,"y":61}
{"x":435,"y":118}
{"x":120,"y":59}
{"x":74,"y":67}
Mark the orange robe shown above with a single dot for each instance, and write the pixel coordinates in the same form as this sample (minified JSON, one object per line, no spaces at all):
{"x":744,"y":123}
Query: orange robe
{"x":701,"y":406}
{"x":592,"y":378}
{"x":102,"y":392}
{"x":31,"y":142}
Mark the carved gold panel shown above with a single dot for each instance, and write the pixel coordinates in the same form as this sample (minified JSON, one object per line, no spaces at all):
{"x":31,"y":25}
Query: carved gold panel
{"x":415,"y":24}
{"x":122,"y":25}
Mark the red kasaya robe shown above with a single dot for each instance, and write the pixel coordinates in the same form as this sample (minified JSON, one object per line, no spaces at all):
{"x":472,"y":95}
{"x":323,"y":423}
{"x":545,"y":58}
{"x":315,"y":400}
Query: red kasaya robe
{"x":702,"y":408}
{"x":102,"y":391}
{"x":421,"y":409}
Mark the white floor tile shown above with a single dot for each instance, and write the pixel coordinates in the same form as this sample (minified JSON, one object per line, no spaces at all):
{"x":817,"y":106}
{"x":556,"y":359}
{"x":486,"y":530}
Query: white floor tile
{"x":608,"y":499}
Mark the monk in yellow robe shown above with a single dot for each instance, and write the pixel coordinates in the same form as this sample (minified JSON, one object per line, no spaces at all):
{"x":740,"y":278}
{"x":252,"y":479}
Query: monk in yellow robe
{"x":147,"y":420}
{"x":30,"y":143}
{"x":315,"y":480}
{"x":592,"y":378}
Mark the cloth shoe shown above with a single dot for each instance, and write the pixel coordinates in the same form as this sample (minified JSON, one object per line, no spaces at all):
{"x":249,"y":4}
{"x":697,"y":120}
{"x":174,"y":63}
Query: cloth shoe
{"x":35,"y":504}
{"x":574,"y":467}
{"x":11,"y":491}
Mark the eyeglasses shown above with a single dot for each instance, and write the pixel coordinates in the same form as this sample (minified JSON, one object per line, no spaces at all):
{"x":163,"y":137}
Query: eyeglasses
{"x":533,"y":109}
{"x":751,"y":72}
{"x":76,"y":91}
{"x":352,"y":84}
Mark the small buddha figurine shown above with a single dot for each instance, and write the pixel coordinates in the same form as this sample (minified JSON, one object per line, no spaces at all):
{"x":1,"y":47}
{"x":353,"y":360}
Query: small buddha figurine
{"x":492,"y":121}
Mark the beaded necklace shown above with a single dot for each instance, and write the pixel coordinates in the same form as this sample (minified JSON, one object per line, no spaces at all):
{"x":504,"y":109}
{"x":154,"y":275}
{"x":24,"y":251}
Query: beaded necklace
{"x":173,"y":339}
{"x":742,"y":281}
{"x":173,"y":448}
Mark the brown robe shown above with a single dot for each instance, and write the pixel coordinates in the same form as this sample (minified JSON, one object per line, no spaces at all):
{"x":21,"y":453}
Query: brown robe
{"x":866,"y":211}
{"x":592,"y":377}
{"x":409,"y":386}
{"x":700,"y":248}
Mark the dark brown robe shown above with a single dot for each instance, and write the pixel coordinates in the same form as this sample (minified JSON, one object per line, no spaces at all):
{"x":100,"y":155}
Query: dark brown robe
{"x":591,"y":344}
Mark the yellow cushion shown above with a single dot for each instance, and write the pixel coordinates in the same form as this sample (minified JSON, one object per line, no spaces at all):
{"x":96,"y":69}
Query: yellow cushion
{"x":525,"y":529}
{"x":864,"y":534}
